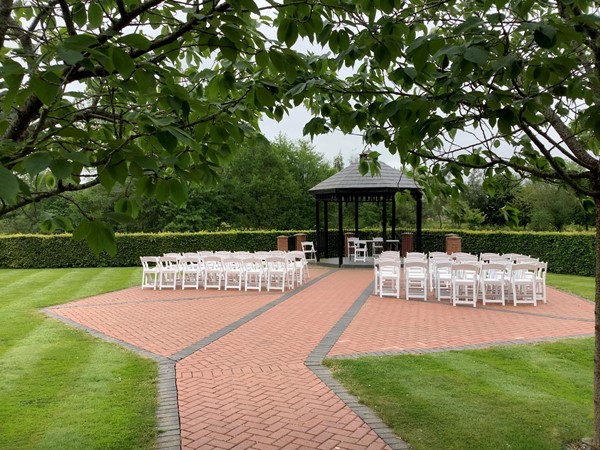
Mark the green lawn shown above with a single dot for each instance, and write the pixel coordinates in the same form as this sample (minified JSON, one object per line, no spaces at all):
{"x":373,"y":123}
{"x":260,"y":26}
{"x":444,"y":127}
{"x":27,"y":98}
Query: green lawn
{"x":518,"y":397}
{"x":59,"y":387}
{"x":582,"y":286}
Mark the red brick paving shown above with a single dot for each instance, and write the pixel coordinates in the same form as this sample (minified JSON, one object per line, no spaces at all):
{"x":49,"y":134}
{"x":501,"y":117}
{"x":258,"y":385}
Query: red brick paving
{"x":270,"y":396}
{"x":251,"y":389}
{"x":388,"y":324}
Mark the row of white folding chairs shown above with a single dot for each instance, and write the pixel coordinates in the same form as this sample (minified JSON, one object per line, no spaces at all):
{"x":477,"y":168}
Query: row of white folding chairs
{"x":223,"y":269}
{"x":493,"y":282}
{"x":462,"y":282}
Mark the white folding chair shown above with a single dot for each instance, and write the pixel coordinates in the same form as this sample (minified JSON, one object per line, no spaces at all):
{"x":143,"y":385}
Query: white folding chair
{"x":169,"y":271}
{"x":415,"y":276}
{"x":150,"y":271}
{"x":493,"y":283}
{"x":233,"y":273}
{"x":360,"y":251}
{"x":352,"y":246}
{"x":389,"y":278}
{"x":377,"y":246}
{"x":523,"y":283}
{"x":276,"y":273}
{"x":443,"y":280}
{"x":465,"y":280}
{"x":253,"y":273}
{"x":309,"y":251}
{"x":191,"y":271}
{"x":213,"y":272}
{"x":385,"y":256}
{"x":540,"y":281}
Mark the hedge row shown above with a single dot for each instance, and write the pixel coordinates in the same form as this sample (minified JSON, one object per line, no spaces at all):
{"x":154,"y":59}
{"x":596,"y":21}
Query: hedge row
{"x":571,"y":253}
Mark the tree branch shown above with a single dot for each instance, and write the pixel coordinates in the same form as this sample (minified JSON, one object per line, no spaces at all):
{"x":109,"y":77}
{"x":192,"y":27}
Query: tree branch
{"x":38,"y":196}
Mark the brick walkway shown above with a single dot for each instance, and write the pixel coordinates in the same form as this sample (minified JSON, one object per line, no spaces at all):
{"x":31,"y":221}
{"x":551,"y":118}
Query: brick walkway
{"x":242,"y":370}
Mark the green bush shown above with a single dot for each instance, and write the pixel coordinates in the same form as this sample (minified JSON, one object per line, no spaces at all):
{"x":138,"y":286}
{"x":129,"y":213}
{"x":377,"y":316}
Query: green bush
{"x":51,"y":251}
{"x":569,"y":253}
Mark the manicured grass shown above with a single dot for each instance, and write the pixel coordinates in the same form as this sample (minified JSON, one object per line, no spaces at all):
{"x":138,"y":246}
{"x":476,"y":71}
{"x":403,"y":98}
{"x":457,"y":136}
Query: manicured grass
{"x":583,"y":286}
{"x":59,"y":387}
{"x":519,"y":397}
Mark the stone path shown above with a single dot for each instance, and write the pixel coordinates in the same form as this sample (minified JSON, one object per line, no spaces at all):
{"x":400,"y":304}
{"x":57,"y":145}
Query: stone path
{"x":243,"y":370}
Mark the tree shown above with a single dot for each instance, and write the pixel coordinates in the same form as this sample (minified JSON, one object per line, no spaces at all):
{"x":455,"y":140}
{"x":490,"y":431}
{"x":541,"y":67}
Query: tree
{"x":149,"y":95}
{"x":451,"y":86}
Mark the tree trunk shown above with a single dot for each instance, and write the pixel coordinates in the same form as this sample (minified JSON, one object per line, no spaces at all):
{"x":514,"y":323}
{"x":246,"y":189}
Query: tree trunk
{"x":596,"y":440}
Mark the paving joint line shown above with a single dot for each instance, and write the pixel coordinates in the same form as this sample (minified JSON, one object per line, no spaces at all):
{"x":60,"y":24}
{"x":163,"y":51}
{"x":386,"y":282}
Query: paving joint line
{"x":157,"y":300}
{"x":423,"y":351}
{"x":167,"y":412}
{"x":509,"y":311}
{"x":193,"y":348}
{"x":314,"y":363}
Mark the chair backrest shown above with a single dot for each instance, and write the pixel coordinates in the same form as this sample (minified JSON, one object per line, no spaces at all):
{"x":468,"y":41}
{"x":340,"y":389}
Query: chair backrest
{"x":466,"y":258}
{"x":465,"y":271}
{"x":308,"y":246}
{"x":524,"y":270}
{"x":493,"y":270}
{"x":487,"y":257}
{"x":389,"y":266}
{"x":231,"y":263}
{"x":149,"y":262}
{"x":514,"y":256}
{"x":253,"y":264}
{"x":438,"y":255}
{"x":213,"y":262}
{"x":415,"y":265}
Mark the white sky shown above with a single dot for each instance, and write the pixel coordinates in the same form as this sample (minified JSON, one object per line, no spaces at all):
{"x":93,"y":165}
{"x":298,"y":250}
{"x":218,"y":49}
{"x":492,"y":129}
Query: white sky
{"x":330,"y":145}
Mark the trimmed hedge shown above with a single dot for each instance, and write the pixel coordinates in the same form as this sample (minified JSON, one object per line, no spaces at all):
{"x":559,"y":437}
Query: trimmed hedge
{"x":570,"y":253}
{"x":52,"y":251}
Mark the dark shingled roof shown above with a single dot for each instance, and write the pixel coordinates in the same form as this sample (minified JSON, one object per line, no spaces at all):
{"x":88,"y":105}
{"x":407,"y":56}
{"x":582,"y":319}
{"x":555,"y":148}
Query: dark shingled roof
{"x":349,"y":180}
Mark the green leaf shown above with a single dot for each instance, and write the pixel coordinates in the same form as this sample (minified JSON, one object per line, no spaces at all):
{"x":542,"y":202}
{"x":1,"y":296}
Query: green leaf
{"x":178,"y":191}
{"x":288,"y":32}
{"x":44,"y":90}
{"x":167,"y":140}
{"x":61,"y":168}
{"x":163,"y":190}
{"x":95,"y":14}
{"x":476,"y":55}
{"x":137,"y":41}
{"x":79,"y":14}
{"x":82,"y":230}
{"x":123,"y":206}
{"x":123,"y":62}
{"x":545,"y":36}
{"x":101,"y":238}
{"x":37,"y":162}
{"x":9,"y":186}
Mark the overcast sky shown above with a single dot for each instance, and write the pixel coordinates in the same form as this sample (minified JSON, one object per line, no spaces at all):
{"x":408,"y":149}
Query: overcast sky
{"x":329,"y":145}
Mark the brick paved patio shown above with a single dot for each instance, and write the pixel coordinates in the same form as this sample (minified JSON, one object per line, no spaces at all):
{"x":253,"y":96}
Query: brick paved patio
{"x":242,"y":370}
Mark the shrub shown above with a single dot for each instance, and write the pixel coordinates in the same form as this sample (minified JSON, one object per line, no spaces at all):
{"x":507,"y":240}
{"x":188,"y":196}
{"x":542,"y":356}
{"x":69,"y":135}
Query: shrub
{"x":570,"y":253}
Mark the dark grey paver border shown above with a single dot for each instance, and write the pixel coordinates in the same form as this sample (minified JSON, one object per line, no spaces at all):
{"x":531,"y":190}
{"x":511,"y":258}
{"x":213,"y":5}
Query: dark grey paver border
{"x":422,"y":351}
{"x":167,"y":412}
{"x":314,"y":363}
{"x":188,"y":351}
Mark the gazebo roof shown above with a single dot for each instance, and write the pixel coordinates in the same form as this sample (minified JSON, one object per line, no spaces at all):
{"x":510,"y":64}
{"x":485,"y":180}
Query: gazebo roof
{"x":350,"y":181}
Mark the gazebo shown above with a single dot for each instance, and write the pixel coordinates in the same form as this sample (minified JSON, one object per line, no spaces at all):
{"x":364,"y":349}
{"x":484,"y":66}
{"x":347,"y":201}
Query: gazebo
{"x":349,"y":186}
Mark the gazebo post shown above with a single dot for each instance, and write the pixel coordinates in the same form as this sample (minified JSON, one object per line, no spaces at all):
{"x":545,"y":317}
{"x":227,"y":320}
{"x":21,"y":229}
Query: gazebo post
{"x":356,"y":216}
{"x":384,"y":234}
{"x":419,"y":198}
{"x":394,"y":216}
{"x":326,"y":226}
{"x":318,"y":229}
{"x":340,"y":231}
